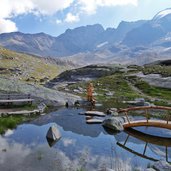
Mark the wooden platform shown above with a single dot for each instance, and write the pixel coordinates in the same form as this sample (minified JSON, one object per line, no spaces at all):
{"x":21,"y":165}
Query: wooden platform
{"x":153,"y":123}
{"x":94,"y":121}
{"x":95,"y":113}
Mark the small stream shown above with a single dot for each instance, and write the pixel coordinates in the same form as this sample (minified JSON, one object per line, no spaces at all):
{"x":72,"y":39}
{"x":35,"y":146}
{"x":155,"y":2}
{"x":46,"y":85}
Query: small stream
{"x":82,"y":146}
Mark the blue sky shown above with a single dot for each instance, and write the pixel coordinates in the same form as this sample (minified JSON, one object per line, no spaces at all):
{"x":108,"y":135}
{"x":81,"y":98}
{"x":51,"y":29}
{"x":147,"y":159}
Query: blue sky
{"x":55,"y":16}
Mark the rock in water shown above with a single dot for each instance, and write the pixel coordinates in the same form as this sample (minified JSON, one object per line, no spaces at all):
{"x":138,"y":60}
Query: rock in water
{"x":53,"y":135}
{"x":114,"y":123}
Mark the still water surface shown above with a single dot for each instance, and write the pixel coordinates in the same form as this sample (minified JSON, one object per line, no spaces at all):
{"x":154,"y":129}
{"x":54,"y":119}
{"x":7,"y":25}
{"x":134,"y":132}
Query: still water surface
{"x":82,"y":146}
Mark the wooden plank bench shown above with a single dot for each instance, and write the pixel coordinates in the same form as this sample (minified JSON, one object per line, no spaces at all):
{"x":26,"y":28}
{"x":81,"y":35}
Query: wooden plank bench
{"x":15,"y":98}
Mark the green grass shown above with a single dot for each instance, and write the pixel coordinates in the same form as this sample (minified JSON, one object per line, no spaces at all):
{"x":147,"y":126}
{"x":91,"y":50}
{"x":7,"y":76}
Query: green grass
{"x":26,"y":67}
{"x":162,"y":93}
{"x":116,"y":84}
{"x":164,"y":71}
{"x":11,"y":122}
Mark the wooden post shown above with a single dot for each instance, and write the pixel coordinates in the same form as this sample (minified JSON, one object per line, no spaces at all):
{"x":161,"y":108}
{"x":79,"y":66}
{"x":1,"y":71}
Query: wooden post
{"x":167,"y":154}
{"x":126,"y":140}
{"x":167,"y":118}
{"x":29,"y":96}
{"x":145,"y":148}
{"x":146,"y":111}
{"x":8,"y":99}
{"x":126,"y":113}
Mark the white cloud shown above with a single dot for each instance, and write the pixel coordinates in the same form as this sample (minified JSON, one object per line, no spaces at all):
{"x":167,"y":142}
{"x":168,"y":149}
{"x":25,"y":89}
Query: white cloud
{"x":58,"y":21}
{"x":67,"y":142}
{"x":50,"y":7}
{"x":9,"y":8}
{"x":9,"y":132}
{"x":12,"y":8}
{"x":7,"y":26}
{"x":70,"y":18}
{"x":90,"y":7}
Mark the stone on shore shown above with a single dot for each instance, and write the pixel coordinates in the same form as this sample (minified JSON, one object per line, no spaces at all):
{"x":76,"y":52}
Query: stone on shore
{"x":114,"y":123}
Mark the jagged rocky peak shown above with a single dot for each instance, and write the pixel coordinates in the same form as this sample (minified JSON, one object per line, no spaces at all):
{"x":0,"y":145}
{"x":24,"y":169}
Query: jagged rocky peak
{"x":96,"y":27}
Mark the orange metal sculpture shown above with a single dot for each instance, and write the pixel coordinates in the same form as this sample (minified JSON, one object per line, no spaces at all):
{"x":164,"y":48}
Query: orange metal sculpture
{"x":90,"y":90}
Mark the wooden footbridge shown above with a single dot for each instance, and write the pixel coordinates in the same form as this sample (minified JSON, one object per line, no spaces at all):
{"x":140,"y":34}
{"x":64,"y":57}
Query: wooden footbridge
{"x":166,"y":123}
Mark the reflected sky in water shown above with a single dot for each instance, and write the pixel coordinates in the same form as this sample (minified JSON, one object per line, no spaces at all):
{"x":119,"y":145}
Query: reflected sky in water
{"x":81,"y":146}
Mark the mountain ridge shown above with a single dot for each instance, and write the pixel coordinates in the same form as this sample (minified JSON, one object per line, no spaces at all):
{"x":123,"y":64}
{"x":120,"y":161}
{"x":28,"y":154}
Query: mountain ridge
{"x":128,"y":40}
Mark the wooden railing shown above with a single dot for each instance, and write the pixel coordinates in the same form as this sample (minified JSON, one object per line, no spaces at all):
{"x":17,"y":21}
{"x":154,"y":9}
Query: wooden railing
{"x":145,"y":108}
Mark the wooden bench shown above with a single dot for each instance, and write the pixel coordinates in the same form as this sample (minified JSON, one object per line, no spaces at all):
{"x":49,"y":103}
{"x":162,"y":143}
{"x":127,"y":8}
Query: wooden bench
{"x":15,"y":98}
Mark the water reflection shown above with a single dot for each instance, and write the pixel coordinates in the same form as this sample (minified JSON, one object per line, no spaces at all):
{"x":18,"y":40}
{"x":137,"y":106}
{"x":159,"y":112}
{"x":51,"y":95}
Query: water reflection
{"x":70,"y":120}
{"x":82,"y":146}
{"x":150,"y":147}
{"x":16,"y":156}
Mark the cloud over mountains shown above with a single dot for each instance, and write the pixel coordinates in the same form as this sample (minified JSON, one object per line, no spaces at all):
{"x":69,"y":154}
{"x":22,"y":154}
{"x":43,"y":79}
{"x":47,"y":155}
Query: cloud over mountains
{"x":9,"y":9}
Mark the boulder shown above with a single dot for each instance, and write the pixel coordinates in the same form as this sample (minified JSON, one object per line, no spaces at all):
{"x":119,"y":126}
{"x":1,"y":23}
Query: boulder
{"x":112,"y":111}
{"x":114,"y":123}
{"x":53,"y":135}
{"x":161,"y":166}
{"x":41,"y":107}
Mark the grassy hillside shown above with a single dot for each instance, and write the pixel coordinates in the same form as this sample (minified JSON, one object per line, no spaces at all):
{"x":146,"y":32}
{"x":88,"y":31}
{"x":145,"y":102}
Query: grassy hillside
{"x":159,"y":67}
{"x":26,"y":67}
{"x":114,"y":88}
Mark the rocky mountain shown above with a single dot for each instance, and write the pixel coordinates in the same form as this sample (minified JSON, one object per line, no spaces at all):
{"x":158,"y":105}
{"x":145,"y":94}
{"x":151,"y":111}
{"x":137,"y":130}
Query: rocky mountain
{"x":151,"y":32}
{"x":138,"y":42}
{"x":81,"y":39}
{"x":38,"y":44}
